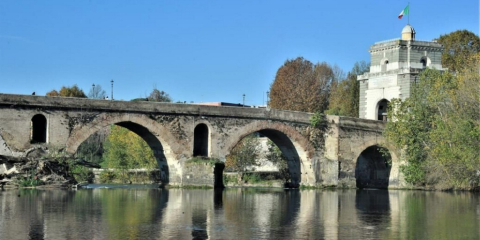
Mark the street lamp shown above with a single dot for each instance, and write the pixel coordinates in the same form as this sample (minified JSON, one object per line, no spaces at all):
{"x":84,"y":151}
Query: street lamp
{"x":112,"y":89}
{"x":268,"y":95}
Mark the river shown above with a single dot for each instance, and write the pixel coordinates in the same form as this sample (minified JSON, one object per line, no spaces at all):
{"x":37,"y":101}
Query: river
{"x":139,"y":212}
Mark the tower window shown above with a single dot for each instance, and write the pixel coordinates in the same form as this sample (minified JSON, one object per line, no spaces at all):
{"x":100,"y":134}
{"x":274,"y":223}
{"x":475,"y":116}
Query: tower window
{"x":384,"y":66}
{"x":424,"y":62}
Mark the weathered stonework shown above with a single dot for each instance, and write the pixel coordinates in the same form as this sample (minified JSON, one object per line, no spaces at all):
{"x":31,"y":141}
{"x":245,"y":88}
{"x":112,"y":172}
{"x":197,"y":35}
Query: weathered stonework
{"x":324,"y":156}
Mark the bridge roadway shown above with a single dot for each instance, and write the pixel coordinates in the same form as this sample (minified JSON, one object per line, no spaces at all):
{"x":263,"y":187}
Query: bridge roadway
{"x":340,"y":153}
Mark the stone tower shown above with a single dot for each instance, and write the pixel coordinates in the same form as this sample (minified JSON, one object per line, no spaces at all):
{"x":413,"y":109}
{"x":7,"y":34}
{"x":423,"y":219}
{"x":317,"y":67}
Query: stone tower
{"x":394,"y":68}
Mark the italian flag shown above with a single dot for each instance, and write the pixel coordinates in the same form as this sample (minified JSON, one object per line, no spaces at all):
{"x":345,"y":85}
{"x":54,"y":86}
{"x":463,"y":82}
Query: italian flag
{"x":404,"y":12}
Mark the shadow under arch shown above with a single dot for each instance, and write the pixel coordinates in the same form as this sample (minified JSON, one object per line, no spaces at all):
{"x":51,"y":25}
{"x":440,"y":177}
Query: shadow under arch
{"x":142,"y":126}
{"x":300,"y":166}
{"x":373,"y":168}
{"x":290,"y":153}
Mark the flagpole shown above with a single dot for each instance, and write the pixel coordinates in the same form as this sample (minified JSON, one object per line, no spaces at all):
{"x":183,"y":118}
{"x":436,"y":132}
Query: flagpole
{"x":408,"y":13}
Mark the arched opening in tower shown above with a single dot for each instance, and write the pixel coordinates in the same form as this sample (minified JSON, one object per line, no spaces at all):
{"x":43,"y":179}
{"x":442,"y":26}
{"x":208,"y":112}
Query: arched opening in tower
{"x":130,"y":150}
{"x":263,"y":156}
{"x":373,"y":168}
{"x":200,"y":140}
{"x":39,"y":129}
{"x":382,"y":108}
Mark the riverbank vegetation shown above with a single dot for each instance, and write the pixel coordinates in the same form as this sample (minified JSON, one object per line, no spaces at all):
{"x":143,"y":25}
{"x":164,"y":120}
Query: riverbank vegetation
{"x":438,"y":128}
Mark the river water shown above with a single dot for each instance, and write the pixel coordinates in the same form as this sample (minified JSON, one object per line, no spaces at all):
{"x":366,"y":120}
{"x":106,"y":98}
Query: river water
{"x":106,"y":212}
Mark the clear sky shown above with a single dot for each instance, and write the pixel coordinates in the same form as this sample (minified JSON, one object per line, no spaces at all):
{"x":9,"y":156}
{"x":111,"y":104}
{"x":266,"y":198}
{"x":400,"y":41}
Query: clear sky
{"x":199,"y":50}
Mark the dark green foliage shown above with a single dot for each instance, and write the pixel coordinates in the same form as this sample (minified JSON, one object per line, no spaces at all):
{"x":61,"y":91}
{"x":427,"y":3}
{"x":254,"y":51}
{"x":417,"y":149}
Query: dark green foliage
{"x":459,"y":46}
{"x":318,"y":119}
{"x":30,"y":181}
{"x":438,"y":129}
{"x":243,"y":155}
{"x":108,"y":176}
{"x":276,"y":156}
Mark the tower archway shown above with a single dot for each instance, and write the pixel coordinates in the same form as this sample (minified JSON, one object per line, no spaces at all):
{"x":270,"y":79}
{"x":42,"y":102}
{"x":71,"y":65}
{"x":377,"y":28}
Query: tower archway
{"x":382,"y":107}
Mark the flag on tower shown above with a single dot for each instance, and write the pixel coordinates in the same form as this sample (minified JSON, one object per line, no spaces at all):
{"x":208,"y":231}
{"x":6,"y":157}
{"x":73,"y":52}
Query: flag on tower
{"x":404,"y":12}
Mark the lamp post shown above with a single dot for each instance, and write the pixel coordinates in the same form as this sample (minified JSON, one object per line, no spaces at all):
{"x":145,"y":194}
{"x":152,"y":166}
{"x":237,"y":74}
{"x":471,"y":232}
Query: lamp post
{"x":112,"y":89}
{"x":243,"y":100}
{"x":268,"y":94}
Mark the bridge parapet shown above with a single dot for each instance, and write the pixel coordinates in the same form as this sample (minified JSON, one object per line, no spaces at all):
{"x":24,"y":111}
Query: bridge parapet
{"x":86,"y":104}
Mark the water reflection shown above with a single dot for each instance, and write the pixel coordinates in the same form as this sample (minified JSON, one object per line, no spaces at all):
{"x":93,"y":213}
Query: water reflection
{"x":237,"y":214}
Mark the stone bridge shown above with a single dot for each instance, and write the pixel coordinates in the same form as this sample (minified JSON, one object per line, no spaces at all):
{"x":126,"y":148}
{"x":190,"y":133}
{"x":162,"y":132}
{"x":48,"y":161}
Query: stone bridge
{"x":343,"y":152}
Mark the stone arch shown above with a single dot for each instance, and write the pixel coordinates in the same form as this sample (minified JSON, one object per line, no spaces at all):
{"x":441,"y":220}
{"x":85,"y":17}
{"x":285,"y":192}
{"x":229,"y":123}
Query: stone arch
{"x":201,"y":140}
{"x":38,"y":132}
{"x":394,"y":175}
{"x":298,"y":150}
{"x":381,"y":109}
{"x":373,"y":168}
{"x":153,"y":134}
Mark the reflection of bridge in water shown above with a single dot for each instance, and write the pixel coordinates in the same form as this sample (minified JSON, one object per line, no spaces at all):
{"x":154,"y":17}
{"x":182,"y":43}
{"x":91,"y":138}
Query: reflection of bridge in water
{"x":238,"y":214}
{"x":325,"y":156}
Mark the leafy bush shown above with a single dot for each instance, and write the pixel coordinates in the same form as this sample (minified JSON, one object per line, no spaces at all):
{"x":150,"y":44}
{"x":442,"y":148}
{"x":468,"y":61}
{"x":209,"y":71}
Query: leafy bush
{"x":107,"y":176}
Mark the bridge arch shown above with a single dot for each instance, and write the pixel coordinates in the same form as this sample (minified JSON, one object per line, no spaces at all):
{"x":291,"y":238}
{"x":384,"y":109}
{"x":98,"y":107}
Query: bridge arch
{"x":150,"y":131}
{"x":295,"y":147}
{"x":373,"y":169}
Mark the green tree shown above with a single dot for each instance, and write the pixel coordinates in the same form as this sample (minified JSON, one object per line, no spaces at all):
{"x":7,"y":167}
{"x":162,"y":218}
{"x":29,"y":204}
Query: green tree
{"x":275,"y":155}
{"x":459,"y":47}
{"x":345,"y":94}
{"x":73,"y":91}
{"x":126,"y":150}
{"x":300,"y":85}
{"x":92,"y":149}
{"x":243,"y":155}
{"x":438,"y":128}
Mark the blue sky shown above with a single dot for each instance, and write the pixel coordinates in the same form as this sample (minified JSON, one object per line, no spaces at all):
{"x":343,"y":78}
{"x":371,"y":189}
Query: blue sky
{"x":201,"y":51}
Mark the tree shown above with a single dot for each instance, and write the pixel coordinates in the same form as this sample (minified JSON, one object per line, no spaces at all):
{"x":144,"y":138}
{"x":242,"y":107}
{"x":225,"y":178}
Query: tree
{"x":159,"y":96}
{"x":97,"y":92}
{"x":243,"y":155}
{"x":459,"y":46}
{"x":73,"y":91}
{"x":345,"y":94}
{"x":275,"y":155}
{"x":300,"y":85}
{"x":438,"y":128}
{"x":126,"y":150}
